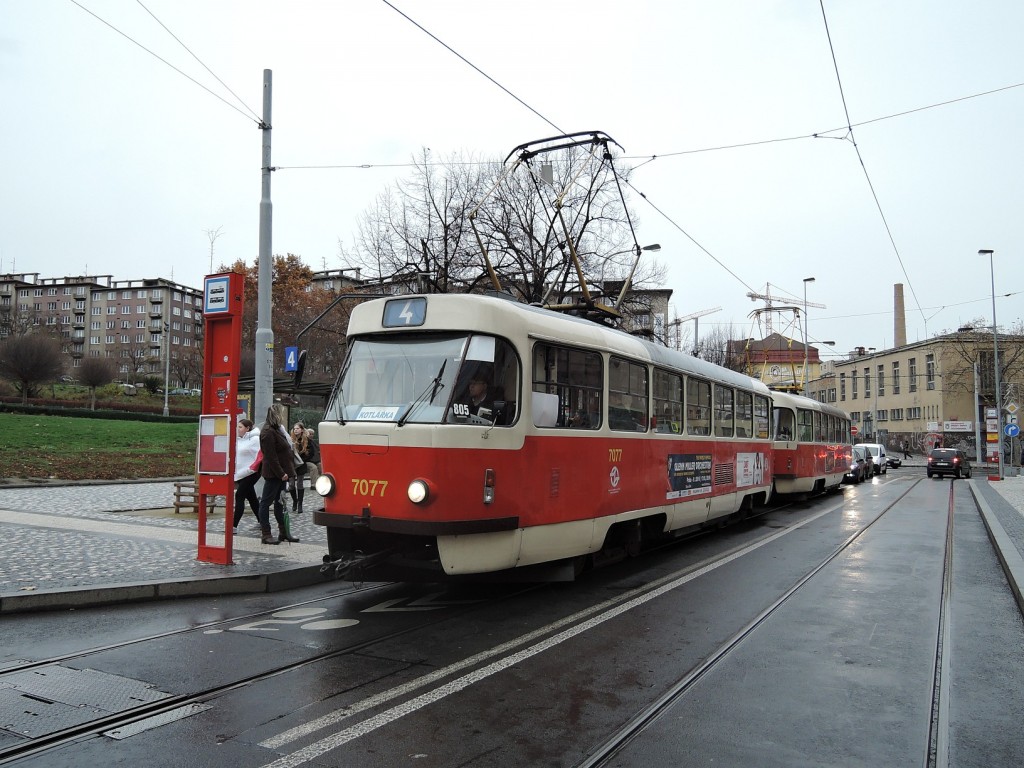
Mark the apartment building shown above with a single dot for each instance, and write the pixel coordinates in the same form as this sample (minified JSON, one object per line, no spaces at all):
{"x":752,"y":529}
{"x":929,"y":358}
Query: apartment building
{"x":146,"y":326}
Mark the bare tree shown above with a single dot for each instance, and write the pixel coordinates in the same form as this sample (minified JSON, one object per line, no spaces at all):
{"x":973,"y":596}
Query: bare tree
{"x":96,"y":372}
{"x":716,"y":346}
{"x":30,"y":360}
{"x":527,"y":226}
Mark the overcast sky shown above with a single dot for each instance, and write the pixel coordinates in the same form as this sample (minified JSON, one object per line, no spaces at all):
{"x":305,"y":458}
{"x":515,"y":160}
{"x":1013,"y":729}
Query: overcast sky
{"x":116,"y":164}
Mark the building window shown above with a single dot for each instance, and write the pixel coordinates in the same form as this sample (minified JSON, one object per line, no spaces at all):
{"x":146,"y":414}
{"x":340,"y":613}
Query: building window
{"x":896,"y":378}
{"x":881,"y":380}
{"x":853,"y":385}
{"x":867,"y":382}
{"x":842,"y":386}
{"x":896,"y":414}
{"x":929,"y":371}
{"x":912,"y":374}
{"x":126,"y":310}
{"x":883,"y":415}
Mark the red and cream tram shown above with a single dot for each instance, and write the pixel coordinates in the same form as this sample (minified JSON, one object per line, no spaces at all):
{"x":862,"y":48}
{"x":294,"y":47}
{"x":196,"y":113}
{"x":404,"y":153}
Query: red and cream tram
{"x":813,"y":446}
{"x":574,"y":441}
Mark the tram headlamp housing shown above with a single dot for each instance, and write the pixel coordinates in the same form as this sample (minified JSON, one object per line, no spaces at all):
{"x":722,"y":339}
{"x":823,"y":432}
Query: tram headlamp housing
{"x":325,"y":485}
{"x":419,"y":491}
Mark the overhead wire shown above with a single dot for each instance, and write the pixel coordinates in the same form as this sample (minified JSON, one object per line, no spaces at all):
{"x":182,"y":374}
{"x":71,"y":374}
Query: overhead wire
{"x":127,"y":37}
{"x":468,"y":62}
{"x":860,"y":157}
{"x":201,"y":62}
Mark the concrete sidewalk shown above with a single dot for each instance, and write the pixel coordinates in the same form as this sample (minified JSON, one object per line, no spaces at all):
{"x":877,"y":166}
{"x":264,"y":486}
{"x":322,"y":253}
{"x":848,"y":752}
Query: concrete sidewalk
{"x":91,"y":544}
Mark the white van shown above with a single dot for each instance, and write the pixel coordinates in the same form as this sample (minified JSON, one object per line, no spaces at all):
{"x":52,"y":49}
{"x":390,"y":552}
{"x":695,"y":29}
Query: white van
{"x":877,"y":451}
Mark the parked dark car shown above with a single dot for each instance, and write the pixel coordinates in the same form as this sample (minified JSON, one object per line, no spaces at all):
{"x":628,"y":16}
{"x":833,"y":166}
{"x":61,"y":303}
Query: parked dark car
{"x":894,"y":462}
{"x":861,"y":467}
{"x":948,"y":461}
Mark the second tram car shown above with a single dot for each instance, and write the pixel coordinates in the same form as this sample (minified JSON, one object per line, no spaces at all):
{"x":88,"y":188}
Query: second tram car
{"x":813,"y":446}
{"x":471,"y":434}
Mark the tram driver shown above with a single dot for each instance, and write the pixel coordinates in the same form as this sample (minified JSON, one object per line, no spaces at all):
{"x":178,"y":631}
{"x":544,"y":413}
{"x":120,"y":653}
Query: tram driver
{"x":478,"y":393}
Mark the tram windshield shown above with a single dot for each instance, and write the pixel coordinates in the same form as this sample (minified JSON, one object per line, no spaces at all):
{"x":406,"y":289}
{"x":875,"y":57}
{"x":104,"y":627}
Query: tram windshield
{"x":428,"y":379}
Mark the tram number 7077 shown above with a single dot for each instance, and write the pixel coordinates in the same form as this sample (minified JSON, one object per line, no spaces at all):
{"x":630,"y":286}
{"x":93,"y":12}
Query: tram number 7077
{"x":363,"y":487}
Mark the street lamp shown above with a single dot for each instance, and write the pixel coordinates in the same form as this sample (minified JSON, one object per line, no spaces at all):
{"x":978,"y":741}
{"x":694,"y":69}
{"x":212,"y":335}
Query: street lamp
{"x":806,"y":281}
{"x":995,"y":361}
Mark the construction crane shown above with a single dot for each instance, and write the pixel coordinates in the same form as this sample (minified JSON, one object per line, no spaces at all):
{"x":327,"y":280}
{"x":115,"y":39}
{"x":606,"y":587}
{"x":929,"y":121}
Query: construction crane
{"x":695,"y":316}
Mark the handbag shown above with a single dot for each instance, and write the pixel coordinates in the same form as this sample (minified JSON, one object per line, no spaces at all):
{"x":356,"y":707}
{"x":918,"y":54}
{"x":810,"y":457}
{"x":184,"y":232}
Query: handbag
{"x":258,"y":463}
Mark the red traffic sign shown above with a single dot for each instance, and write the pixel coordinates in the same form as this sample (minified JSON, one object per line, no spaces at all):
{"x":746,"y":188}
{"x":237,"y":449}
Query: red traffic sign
{"x":854,"y":431}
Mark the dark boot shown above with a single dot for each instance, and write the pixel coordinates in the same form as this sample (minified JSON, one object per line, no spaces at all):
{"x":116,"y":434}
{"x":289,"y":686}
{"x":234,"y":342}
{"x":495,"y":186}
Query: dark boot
{"x":297,"y":509}
{"x":268,"y":537}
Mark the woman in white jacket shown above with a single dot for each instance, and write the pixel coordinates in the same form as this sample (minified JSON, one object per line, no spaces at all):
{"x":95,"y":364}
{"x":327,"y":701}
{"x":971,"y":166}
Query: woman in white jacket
{"x":247,"y":445}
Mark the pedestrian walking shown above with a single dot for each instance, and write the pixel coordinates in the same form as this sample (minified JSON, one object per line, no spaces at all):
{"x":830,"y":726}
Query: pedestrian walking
{"x":906,"y":450}
{"x":278,"y":466}
{"x":247,"y":447}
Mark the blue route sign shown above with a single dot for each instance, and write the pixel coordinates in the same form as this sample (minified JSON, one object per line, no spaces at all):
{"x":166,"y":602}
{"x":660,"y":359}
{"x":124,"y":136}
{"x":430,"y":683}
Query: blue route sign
{"x":291,"y":359}
{"x":1011,"y":430}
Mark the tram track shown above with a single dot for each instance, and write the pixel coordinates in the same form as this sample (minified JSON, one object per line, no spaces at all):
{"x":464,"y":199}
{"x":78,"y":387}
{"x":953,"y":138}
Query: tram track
{"x":133,"y":716}
{"x":603,"y":754}
{"x":137,"y":716}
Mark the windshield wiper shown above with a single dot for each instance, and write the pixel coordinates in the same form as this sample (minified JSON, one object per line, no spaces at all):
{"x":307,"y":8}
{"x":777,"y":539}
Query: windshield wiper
{"x":435,"y":386}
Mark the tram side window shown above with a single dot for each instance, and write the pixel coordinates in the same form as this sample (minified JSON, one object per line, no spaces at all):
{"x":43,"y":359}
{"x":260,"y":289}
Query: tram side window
{"x":698,"y":407}
{"x":668,"y":401}
{"x":818,"y":431}
{"x":627,"y":395}
{"x":761,"y":423}
{"x":571,"y":380}
{"x":744,"y":414}
{"x":785,"y":424}
{"x":724,"y":411}
{"x":805,"y":426}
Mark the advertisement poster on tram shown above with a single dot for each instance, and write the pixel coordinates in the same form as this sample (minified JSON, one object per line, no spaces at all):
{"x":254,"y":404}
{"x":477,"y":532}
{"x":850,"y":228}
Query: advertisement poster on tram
{"x":689,"y":474}
{"x":749,"y":469}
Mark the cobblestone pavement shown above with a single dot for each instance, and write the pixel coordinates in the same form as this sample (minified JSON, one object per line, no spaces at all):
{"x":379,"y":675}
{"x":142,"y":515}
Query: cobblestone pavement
{"x":73,"y":536}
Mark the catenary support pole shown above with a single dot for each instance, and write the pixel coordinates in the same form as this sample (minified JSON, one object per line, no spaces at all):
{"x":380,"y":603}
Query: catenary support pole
{"x":264,"y":373}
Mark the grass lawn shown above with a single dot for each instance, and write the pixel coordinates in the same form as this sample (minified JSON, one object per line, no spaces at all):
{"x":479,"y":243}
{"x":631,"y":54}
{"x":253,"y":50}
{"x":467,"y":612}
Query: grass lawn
{"x":65,"y":448}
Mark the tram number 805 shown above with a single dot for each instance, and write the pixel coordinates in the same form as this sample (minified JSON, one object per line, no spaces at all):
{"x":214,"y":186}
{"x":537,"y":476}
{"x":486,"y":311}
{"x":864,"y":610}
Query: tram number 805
{"x":363,"y":487}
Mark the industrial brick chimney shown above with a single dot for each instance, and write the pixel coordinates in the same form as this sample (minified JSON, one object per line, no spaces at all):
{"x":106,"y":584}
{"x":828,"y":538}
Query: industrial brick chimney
{"x":899,"y":329}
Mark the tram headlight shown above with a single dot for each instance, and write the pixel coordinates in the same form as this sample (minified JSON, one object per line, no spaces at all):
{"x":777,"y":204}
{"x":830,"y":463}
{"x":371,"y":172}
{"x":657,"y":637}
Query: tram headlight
{"x":324,"y":485}
{"x":419,"y":491}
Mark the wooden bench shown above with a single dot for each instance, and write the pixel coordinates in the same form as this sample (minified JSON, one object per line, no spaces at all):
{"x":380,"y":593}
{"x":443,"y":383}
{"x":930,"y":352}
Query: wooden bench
{"x":186,"y":497}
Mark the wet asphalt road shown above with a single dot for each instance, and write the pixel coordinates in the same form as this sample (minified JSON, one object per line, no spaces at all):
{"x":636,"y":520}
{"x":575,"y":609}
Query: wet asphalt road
{"x":841,"y":673}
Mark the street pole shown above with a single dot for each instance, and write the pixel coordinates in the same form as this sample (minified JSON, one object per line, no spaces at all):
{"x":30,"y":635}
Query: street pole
{"x":977,"y":412}
{"x":805,"y":377}
{"x":167,"y":366}
{"x":263,"y":396}
{"x":995,"y":361}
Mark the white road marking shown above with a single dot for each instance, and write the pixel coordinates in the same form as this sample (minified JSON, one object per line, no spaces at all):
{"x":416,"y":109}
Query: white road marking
{"x":611,"y":609}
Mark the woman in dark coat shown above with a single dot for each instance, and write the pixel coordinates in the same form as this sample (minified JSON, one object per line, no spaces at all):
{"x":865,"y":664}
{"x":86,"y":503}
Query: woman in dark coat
{"x":278,"y":466}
